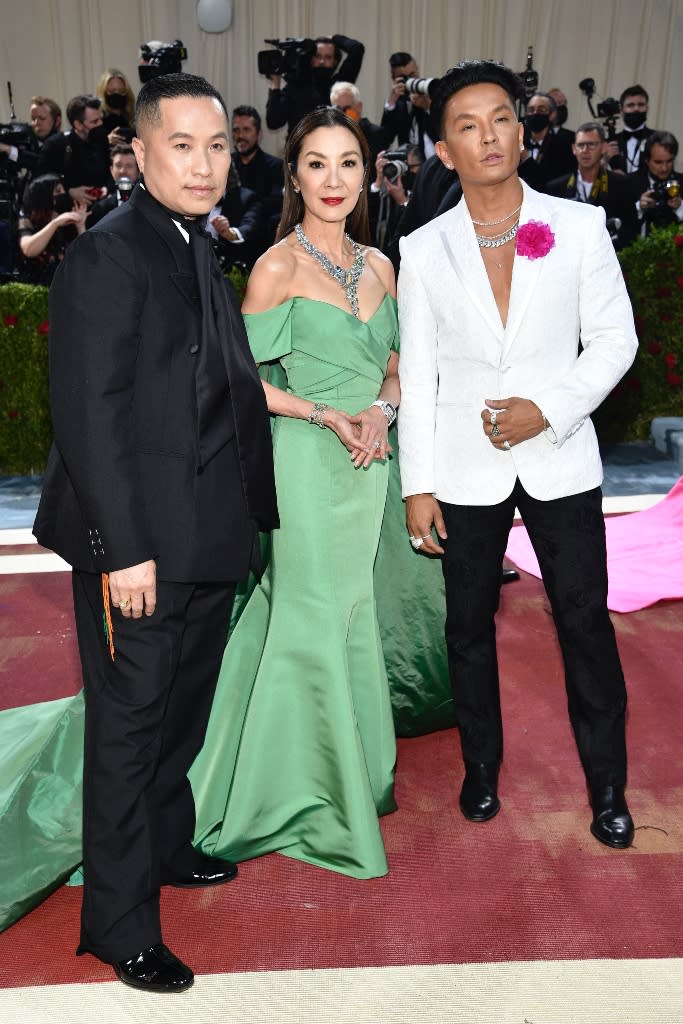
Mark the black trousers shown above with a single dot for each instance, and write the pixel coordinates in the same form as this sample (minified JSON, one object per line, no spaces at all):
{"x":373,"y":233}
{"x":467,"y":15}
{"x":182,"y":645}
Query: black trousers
{"x":145,"y":719}
{"x":568,"y":536}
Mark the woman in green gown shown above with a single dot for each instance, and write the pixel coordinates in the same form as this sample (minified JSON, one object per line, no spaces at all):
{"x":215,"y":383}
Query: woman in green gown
{"x":299,"y":754}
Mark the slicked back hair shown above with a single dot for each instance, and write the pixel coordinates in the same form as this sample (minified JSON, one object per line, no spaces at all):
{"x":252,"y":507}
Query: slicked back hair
{"x":472,"y":72}
{"x":171,"y":87}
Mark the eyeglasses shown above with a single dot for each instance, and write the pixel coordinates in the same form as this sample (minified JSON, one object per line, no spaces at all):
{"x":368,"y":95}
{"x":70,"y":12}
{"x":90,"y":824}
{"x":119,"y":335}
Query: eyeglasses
{"x":587,"y":145}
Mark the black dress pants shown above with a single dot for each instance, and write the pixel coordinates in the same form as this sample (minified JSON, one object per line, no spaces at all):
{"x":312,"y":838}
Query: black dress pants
{"x":568,"y":536}
{"x":145,"y":719}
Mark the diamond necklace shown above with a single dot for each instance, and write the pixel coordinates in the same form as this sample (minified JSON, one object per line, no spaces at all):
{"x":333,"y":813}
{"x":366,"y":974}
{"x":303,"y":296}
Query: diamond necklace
{"x":497,"y":240}
{"x":348,"y":279}
{"x":493,"y":223}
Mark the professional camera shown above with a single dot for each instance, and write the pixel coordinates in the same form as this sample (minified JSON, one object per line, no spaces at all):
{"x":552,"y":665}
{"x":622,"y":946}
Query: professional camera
{"x":420,"y":86}
{"x":16,"y":133}
{"x":608,"y":109}
{"x":125,"y":187}
{"x":529,"y":77}
{"x":291,"y":58}
{"x":663,"y":191}
{"x":162,"y":60}
{"x":397,"y":163}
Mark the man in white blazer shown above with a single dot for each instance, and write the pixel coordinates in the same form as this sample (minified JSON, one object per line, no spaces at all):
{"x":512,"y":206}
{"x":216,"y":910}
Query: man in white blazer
{"x":515,"y":325}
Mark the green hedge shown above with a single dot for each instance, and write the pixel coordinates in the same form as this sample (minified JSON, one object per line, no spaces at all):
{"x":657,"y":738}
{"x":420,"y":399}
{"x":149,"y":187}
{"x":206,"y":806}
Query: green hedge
{"x":653,"y":268}
{"x":25,"y":429}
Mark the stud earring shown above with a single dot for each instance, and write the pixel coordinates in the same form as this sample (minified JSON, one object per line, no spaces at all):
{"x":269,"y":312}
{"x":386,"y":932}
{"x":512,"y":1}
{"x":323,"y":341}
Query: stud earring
{"x":297,"y":190}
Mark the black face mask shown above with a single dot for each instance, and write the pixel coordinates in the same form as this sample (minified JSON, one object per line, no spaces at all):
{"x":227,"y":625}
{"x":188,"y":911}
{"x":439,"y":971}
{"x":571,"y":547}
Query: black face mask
{"x":635,"y":119}
{"x":562,"y":114}
{"x":62,"y":202}
{"x":115,"y":101}
{"x":537,"y":122}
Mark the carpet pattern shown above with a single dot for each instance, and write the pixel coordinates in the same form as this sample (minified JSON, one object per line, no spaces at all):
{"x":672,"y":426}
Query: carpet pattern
{"x":531,"y":885}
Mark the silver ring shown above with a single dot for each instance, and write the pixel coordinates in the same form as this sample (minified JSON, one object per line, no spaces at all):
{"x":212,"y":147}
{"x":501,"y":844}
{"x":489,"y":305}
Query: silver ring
{"x":124,"y":604}
{"x":494,"y":417}
{"x":506,"y":445}
{"x":378,"y":444}
{"x":495,"y":430}
{"x":417,"y":542}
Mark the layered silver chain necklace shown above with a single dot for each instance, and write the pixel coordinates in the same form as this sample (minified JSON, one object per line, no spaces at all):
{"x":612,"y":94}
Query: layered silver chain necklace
{"x":495,"y":241}
{"x":348,"y":279}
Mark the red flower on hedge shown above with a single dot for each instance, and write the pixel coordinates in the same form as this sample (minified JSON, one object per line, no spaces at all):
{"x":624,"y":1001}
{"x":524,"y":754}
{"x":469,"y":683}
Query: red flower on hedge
{"x":663,"y":293}
{"x":665,"y":317}
{"x":654,"y":348}
{"x":679,"y":282}
{"x":678,"y":241}
{"x":670,"y":360}
{"x":12,"y":413}
{"x":10,"y":320}
{"x":674,"y":380}
{"x":44,"y":327}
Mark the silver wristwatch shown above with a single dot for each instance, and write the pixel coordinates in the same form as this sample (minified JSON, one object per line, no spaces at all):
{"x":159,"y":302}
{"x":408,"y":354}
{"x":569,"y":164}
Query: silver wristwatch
{"x":388,"y":410}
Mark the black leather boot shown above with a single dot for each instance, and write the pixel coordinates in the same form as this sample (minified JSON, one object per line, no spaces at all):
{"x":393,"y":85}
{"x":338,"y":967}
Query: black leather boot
{"x":478,"y":796}
{"x":612,"y":824}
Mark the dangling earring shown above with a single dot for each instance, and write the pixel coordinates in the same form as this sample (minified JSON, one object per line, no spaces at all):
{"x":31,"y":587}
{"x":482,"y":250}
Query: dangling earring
{"x":297,"y":190}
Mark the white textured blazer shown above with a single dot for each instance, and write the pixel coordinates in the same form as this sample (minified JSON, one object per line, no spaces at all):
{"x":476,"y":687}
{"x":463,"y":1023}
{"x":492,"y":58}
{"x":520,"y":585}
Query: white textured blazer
{"x":455,"y":353}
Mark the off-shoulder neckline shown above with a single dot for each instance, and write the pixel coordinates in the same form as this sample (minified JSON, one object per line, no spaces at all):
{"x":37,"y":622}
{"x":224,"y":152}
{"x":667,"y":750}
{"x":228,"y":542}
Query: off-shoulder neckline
{"x":321,"y":302}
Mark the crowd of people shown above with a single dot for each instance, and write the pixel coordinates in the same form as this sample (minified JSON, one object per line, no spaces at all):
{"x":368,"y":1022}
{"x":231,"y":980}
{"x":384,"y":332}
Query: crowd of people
{"x":630,"y":173}
{"x":203,"y":749}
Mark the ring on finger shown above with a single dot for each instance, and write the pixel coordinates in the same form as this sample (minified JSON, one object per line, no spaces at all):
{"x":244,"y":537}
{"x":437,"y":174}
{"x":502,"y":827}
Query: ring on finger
{"x":494,"y":417}
{"x":378,"y":444}
{"x":124,"y":604}
{"x":417,"y":542}
{"x":495,"y":430}
{"x":506,"y":445}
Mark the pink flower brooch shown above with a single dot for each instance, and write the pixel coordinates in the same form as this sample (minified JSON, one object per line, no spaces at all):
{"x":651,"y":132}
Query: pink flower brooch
{"x":535,"y":239}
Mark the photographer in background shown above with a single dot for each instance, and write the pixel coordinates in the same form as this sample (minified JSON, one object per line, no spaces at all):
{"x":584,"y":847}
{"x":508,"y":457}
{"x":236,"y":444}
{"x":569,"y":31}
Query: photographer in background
{"x":238,"y":225}
{"x":346,"y":96}
{"x":310,"y":87}
{"x":656,"y":187}
{"x":551,"y":153}
{"x":47,"y":223}
{"x":625,"y":152}
{"x":46,"y":121}
{"x":79,"y":156}
{"x":125,"y":173}
{"x":592,"y":183}
{"x":406,"y":115}
{"x":390,"y":192}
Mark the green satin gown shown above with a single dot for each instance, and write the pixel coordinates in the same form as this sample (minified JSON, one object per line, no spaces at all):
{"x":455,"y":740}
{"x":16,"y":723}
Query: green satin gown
{"x":299,"y":754}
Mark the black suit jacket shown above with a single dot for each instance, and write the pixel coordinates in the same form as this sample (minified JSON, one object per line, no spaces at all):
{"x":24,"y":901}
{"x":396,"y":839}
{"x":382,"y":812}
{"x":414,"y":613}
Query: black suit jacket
{"x":78,"y":162}
{"x":244,"y":210}
{"x":123,"y":482}
{"x":659,"y":216}
{"x":616,"y":202}
{"x":264,"y":175}
{"x":555,"y":158}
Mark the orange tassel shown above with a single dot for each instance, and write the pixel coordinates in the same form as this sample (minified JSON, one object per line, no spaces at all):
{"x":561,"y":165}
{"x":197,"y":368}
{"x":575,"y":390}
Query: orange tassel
{"x":106,"y":615}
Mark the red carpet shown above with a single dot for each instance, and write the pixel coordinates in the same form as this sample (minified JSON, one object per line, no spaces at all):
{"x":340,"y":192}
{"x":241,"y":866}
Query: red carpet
{"x":530,"y":885}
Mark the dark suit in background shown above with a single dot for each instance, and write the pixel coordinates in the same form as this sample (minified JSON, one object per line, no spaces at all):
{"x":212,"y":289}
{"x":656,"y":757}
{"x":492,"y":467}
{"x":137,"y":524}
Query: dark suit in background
{"x":131,"y":477}
{"x":615,"y":199}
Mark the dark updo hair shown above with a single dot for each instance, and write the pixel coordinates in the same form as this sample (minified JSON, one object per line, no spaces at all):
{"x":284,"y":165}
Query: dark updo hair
{"x":472,"y":72}
{"x":357,"y":224}
{"x":38,"y":199}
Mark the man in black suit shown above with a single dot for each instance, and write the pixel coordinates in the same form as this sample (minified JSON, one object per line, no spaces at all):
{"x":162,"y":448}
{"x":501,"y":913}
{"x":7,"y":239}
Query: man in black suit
{"x":406,"y":116}
{"x":238,"y":225}
{"x":552,"y":153}
{"x":592,"y":183}
{"x":158,"y":479}
{"x":656,"y":187}
{"x":257,"y":170}
{"x":625,"y":153}
{"x":80,"y":156}
{"x":311,"y":87}
{"x":123,"y":168}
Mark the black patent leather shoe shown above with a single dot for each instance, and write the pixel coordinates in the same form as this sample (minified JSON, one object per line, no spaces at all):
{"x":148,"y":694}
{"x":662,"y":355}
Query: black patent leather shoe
{"x":612,"y":823}
{"x":479,"y":794}
{"x":155,"y":969}
{"x":212,"y":872}
{"x":510,"y":575}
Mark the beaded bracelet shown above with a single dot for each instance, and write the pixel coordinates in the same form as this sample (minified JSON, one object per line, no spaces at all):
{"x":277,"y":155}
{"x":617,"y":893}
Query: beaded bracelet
{"x":316,"y":414}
